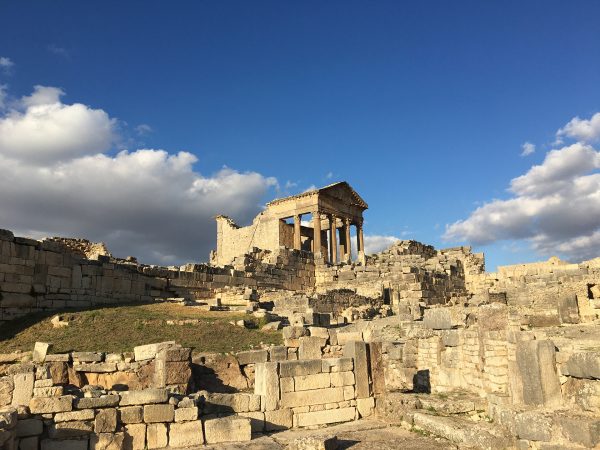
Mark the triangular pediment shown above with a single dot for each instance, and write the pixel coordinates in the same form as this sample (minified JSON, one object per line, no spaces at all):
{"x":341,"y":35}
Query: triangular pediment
{"x":344,"y":192}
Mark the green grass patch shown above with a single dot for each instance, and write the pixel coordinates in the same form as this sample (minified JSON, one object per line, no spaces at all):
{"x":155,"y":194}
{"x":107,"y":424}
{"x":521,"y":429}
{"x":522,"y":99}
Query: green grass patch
{"x":120,"y":328}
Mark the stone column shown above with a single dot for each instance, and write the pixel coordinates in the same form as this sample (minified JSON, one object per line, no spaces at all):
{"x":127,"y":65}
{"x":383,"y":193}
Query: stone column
{"x":360,"y":242}
{"x":333,"y":240}
{"x":317,"y":233}
{"x":297,"y":231}
{"x":348,"y":255}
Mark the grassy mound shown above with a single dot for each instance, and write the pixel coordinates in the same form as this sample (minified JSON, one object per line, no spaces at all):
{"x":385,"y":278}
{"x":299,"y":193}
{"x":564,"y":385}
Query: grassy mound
{"x":119,"y":329}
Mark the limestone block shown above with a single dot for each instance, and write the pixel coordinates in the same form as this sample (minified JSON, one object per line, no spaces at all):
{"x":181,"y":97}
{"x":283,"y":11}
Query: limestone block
{"x":376,"y":366}
{"x":314,"y":397}
{"x":156,"y":435}
{"x":344,"y":338}
{"x":186,"y":414}
{"x":294,"y":332}
{"x":106,"y":367}
{"x":29,"y":427}
{"x":226,"y":403}
{"x":281,"y":419}
{"x":135,"y":436}
{"x":106,"y":421}
{"x":45,"y":405}
{"x":358,"y":351}
{"x":320,"y":332}
{"x":169,"y":373}
{"x":450,"y":338}
{"x":337,"y":364}
{"x":533,"y":426}
{"x":278,"y":353}
{"x":266,"y":384}
{"x":439,"y":319}
{"x":40,"y":350}
{"x":227,"y":429}
{"x":149,"y":351}
{"x":309,"y":382}
{"x":143,"y":397}
{"x":252,"y":357}
{"x":107,"y":441}
{"x":186,"y":434}
{"x":131,"y":414}
{"x":105,"y":401}
{"x":581,"y":430}
{"x":174,"y":354}
{"x":568,"y":310}
{"x":342,"y":379}
{"x":298,"y":368}
{"x":326,"y":417}
{"x":583,"y":365}
{"x":537,"y":382}
{"x":52,"y":391}
{"x":365,"y":406}
{"x":314,"y":443}
{"x":23,"y":388}
{"x":64,"y":430}
{"x":65,"y":444}
{"x":87,"y":356}
{"x":159,"y":413}
{"x":310,"y":347}
{"x":84,"y":414}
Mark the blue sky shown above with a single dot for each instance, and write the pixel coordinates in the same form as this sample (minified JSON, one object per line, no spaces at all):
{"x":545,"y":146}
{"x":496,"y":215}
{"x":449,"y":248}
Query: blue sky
{"x":422,"y":106}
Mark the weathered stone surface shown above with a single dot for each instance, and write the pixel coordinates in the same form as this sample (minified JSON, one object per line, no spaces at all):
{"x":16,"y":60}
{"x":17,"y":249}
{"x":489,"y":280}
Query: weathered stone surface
{"x":156,"y":435}
{"x":533,"y":426}
{"x":315,"y":381}
{"x":143,"y":397}
{"x":131,"y":414}
{"x":583,"y":365}
{"x":342,"y":379}
{"x":438,"y":319}
{"x":314,"y":397}
{"x":325,"y":417}
{"x":186,"y":414}
{"x":107,"y":441}
{"x":106,"y":367}
{"x":84,"y":414}
{"x":298,"y":368}
{"x":581,"y":430}
{"x":87,"y":357}
{"x":45,"y":405}
{"x":314,"y":443}
{"x":257,"y":420}
{"x":337,"y":364}
{"x":365,"y":406}
{"x":266,"y":384}
{"x":23,"y":388}
{"x":280,"y":419}
{"x":227,"y":429}
{"x":358,"y":351}
{"x":106,"y":421}
{"x":278,"y":353}
{"x":252,"y":357}
{"x":97,"y":402}
{"x":149,"y":351}
{"x":568,"y":310}
{"x":310,"y":347}
{"x":40,"y":350}
{"x":537,"y":381}
{"x":227,"y":403}
{"x":158,"y":413}
{"x":64,"y":430}
{"x":135,"y":436}
{"x":186,"y":434}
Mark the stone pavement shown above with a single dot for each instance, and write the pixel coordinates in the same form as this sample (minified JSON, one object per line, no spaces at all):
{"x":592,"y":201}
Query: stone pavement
{"x":361,"y":435}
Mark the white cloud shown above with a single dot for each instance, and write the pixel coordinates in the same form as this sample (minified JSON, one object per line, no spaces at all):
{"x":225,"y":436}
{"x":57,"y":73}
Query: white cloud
{"x":6,"y":64}
{"x":581,"y":129}
{"x":378,"y":243}
{"x":41,"y":129}
{"x":555,"y":206}
{"x":147,"y":203}
{"x":143,"y":129}
{"x":527,"y":149}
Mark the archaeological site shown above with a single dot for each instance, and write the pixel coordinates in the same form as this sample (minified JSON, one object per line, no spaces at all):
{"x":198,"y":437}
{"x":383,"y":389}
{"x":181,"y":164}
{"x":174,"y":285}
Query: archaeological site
{"x":417,"y":347}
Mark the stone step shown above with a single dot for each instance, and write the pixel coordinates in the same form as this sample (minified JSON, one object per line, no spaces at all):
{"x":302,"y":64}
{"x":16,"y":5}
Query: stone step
{"x":464,"y":432}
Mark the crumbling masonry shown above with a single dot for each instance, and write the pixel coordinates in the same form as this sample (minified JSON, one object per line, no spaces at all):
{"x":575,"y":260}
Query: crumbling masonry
{"x":420,"y":337}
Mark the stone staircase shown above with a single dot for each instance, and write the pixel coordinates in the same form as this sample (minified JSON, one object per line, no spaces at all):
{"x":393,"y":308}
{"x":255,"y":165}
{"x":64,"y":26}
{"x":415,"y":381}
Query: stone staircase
{"x":458,"y":417}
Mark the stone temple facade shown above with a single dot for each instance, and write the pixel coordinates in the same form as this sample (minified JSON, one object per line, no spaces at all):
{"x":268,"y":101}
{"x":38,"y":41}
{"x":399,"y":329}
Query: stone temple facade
{"x":334,"y":209}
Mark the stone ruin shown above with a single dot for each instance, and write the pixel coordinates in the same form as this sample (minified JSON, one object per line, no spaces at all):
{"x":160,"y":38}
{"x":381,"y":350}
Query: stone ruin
{"x":420,"y":338}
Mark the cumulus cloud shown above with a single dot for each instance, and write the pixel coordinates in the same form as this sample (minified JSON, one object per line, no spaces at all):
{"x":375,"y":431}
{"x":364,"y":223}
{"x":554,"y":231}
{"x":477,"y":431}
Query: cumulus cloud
{"x":555,"y":206}
{"x":581,"y":129}
{"x":377,"y":243}
{"x":148,"y":203}
{"x":527,"y":149}
{"x":40,"y":129}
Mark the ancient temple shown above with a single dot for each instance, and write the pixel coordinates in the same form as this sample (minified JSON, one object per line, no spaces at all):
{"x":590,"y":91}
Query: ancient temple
{"x":317,"y":221}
